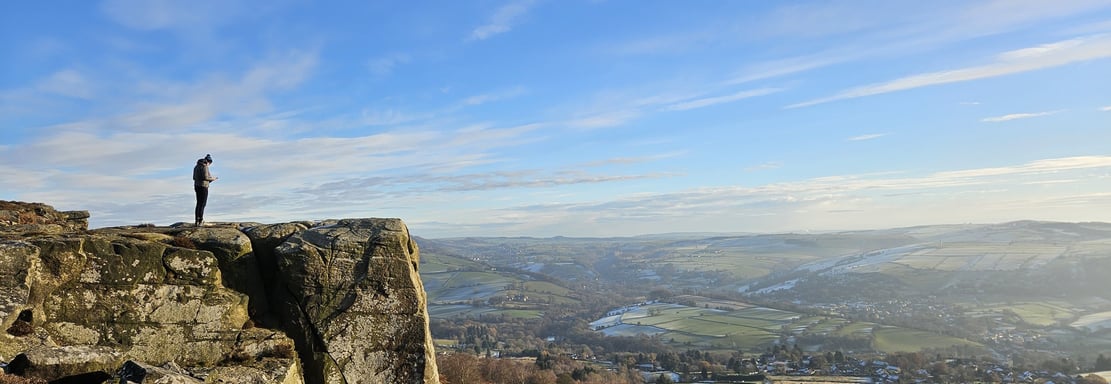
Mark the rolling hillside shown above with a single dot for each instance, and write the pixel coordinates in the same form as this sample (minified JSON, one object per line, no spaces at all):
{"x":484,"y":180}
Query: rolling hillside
{"x":1001,"y":287}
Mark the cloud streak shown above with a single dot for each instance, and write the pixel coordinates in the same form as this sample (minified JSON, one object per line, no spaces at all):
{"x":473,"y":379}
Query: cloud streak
{"x":503,"y":20}
{"x":711,"y":101}
{"x":1017,"y":116}
{"x":1007,"y":63}
{"x":840,"y":202}
{"x":870,"y":136}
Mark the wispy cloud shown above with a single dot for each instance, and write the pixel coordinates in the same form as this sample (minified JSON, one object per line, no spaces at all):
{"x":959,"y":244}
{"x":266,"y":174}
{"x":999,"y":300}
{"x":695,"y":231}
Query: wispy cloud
{"x":1106,"y":109}
{"x":1007,"y":63}
{"x":174,"y":106}
{"x":502,"y":21}
{"x":811,"y":20}
{"x":789,"y":66}
{"x":1045,"y":166}
{"x":68,"y":82}
{"x":415,"y":186}
{"x":172,"y":14}
{"x":764,"y":166}
{"x":709,"y":101}
{"x":493,"y":96}
{"x":1017,"y":116}
{"x":631,"y":160}
{"x":1000,"y":193}
{"x":384,"y":65}
{"x":869,"y":136}
{"x":605,"y":119}
{"x":671,"y":43}
{"x":79,"y":167}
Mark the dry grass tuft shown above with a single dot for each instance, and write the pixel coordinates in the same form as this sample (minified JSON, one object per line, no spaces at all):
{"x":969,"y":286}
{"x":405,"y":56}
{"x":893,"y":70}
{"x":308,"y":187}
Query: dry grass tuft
{"x":184,"y":242}
{"x":28,"y":217}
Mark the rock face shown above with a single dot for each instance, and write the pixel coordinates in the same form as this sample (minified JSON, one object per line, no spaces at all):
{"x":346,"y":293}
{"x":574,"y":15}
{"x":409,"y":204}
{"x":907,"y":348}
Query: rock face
{"x":353,"y":293}
{"x":233,"y":303}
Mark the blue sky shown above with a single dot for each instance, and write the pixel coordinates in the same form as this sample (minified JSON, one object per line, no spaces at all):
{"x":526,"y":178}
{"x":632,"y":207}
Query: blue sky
{"x":576,"y":117}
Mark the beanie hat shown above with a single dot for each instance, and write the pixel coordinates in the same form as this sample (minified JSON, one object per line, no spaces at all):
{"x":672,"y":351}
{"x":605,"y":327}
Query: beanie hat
{"x":208,"y":158}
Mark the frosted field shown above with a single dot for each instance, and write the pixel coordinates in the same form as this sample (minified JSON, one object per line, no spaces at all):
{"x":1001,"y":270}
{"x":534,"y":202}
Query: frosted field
{"x":951,"y":256}
{"x":632,"y":330}
{"x":1094,"y":322}
{"x":985,"y":256}
{"x":605,"y":322}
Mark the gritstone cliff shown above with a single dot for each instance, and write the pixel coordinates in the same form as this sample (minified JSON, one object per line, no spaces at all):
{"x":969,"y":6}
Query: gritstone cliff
{"x":332,"y":302}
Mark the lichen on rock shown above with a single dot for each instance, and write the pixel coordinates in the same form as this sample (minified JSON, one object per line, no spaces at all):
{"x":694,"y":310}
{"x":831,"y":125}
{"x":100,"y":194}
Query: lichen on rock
{"x":355,"y":297}
{"x":268,"y":303}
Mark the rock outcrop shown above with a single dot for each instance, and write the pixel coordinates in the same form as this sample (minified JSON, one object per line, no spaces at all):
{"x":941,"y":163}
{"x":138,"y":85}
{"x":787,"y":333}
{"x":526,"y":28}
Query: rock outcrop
{"x":232,"y":303}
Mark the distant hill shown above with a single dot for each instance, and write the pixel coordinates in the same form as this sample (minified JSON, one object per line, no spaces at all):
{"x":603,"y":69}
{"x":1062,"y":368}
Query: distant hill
{"x":1014,"y":258}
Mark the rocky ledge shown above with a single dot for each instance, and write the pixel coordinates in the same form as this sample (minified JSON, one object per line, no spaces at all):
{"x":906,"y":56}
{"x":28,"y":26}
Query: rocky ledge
{"x":338,"y":301}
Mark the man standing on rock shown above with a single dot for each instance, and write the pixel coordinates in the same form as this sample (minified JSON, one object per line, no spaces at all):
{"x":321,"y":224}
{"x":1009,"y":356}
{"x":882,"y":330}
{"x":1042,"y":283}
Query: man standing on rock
{"x":201,"y":178}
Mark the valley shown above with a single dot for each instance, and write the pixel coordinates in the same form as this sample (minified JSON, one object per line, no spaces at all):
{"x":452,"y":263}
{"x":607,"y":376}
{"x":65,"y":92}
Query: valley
{"x":1015,"y":293}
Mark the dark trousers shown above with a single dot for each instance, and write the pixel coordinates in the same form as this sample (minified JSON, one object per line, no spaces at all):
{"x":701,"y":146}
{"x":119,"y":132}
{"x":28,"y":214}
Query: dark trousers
{"x":202,"y":199}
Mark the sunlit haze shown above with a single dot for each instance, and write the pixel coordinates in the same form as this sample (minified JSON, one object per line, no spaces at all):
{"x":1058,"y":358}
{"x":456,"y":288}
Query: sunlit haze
{"x":575,"y":118}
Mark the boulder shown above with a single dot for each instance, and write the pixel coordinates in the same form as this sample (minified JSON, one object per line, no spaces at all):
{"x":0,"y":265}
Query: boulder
{"x":356,"y":304}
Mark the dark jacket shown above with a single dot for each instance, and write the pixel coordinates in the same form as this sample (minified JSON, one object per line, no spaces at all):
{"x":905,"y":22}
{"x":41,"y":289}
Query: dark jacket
{"x":201,"y":177}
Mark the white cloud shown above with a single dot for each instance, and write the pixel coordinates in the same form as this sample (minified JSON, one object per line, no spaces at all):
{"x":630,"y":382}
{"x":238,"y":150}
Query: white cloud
{"x":159,"y":104}
{"x":994,"y":16}
{"x":1035,"y":167}
{"x":1023,"y":191}
{"x":709,"y":101}
{"x":173,"y":106}
{"x":1106,"y":109}
{"x":503,"y":20}
{"x":790,"y":66}
{"x":69,"y":83}
{"x":1012,"y":62}
{"x":869,"y":136}
{"x":493,"y":96}
{"x":119,"y":175}
{"x":1017,"y":116}
{"x":764,"y":166}
{"x":606,"y":119}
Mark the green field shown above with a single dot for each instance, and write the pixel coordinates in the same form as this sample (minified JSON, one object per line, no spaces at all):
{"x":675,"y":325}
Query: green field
{"x":857,"y":329}
{"x":1036,"y":313}
{"x":825,"y":325}
{"x":453,"y":284}
{"x":894,"y":339}
{"x":755,"y":328}
{"x":546,"y":288}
